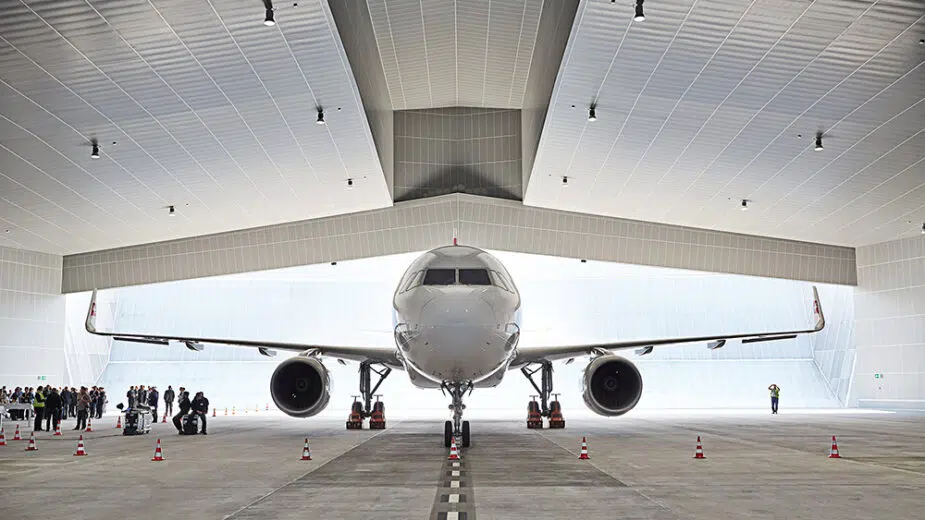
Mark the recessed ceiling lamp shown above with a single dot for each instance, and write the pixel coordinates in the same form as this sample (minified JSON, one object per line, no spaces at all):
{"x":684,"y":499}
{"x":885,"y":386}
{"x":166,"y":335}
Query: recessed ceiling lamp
{"x":818,"y":146}
{"x":565,"y":181}
{"x":320,"y":119}
{"x":592,"y":114}
{"x":744,"y":206}
{"x":171,"y":212}
{"x":269,"y":21}
{"x":95,"y":152}
{"x":349,"y":183}
{"x":640,"y":16}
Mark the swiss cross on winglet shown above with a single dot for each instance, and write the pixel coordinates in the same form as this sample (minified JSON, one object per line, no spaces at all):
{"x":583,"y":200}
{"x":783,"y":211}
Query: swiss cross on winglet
{"x":93,"y":310}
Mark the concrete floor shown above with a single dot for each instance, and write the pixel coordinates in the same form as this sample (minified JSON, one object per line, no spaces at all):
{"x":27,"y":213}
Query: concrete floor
{"x":641,"y":466}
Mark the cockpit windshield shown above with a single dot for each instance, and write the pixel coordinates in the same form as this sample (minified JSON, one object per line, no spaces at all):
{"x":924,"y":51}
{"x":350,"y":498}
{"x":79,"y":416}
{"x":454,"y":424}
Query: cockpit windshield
{"x":440,"y":277}
{"x":474,"y":277}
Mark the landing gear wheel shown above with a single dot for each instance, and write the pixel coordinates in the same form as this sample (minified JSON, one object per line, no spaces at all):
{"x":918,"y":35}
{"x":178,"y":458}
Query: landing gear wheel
{"x":447,"y":433}
{"x":465,"y":434}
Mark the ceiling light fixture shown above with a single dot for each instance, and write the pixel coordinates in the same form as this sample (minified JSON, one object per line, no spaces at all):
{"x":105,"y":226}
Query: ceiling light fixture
{"x":95,"y":152}
{"x":744,"y":205}
{"x":818,"y":146}
{"x":269,"y":21}
{"x":640,"y":16}
{"x":565,"y":181}
{"x":171,"y":211}
{"x":320,"y":119}
{"x":592,"y":113}
{"x":349,"y":183}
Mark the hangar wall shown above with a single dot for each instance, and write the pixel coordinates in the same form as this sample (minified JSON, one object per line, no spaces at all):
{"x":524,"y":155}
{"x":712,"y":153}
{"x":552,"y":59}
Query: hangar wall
{"x":480,"y":221}
{"x":31,"y":319}
{"x":890,"y":307}
{"x":564,"y":301}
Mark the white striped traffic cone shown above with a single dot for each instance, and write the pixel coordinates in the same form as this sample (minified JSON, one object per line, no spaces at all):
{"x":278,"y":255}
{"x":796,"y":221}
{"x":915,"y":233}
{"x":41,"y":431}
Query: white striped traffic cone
{"x":58,"y":430}
{"x":306,"y":451}
{"x":158,"y":454}
{"x":80,"y":447}
{"x":16,"y":435}
{"x":698,"y":454}
{"x":2,"y":438}
{"x":833,"y":454}
{"x":89,"y":425}
{"x":31,"y":446}
{"x":584,"y":449}
{"x":454,"y":452}
{"x":119,"y":422}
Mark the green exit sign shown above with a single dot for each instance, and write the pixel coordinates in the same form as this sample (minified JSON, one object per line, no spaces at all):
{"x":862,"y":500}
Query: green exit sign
{"x":41,"y":378}
{"x":878,"y":376}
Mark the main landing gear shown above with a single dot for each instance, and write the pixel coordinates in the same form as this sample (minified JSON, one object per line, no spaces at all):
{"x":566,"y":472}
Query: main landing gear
{"x":457,"y":427}
{"x":361,"y":410}
{"x":545,"y":408}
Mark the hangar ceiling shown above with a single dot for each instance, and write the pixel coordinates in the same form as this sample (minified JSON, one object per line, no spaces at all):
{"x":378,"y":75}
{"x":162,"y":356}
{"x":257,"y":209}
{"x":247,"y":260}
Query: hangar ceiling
{"x":698,"y":107}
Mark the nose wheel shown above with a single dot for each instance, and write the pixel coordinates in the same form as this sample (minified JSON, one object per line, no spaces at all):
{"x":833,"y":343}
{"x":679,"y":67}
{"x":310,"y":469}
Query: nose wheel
{"x":457,"y":427}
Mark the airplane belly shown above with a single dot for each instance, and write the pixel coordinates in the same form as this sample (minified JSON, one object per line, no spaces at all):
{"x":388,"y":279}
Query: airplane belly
{"x":457,"y":353}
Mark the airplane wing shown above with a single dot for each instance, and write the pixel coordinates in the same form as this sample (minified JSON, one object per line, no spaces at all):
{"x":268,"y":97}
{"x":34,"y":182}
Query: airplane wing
{"x":538,"y":354}
{"x":386,"y":355}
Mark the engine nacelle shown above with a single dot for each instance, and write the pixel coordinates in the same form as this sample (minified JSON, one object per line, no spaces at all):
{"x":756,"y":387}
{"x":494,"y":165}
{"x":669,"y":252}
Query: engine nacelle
{"x":301,"y":386}
{"x":611,"y":385}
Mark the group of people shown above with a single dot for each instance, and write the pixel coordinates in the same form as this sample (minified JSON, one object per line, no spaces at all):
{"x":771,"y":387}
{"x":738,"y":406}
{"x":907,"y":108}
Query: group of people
{"x":53,"y":405}
{"x":141,"y":397}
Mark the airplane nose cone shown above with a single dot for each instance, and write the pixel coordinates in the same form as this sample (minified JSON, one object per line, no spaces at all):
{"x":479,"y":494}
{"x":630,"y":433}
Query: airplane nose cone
{"x":458,"y":311}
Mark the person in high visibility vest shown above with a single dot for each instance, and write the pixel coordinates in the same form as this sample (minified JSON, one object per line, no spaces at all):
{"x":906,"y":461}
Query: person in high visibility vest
{"x":775,"y":397}
{"x":38,"y":406}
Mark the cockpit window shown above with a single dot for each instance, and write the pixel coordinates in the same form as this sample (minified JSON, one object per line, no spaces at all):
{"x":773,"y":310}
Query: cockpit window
{"x":474,"y":277}
{"x":440,"y":277}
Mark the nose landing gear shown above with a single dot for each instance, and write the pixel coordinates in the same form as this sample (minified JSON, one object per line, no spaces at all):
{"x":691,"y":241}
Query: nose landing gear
{"x":457,"y":427}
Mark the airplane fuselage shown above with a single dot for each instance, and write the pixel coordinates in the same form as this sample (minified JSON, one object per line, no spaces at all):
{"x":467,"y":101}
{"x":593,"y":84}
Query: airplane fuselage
{"x":456,"y":317}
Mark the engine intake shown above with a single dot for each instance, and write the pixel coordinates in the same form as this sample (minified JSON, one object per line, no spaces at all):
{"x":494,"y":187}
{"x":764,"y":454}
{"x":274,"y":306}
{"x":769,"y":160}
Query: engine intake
{"x":301,"y":386}
{"x":611,"y":385}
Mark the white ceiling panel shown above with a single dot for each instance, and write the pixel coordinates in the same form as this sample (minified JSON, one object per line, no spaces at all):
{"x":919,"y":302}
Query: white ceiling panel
{"x":707,"y":103}
{"x":446,"y":53}
{"x":194,"y":104}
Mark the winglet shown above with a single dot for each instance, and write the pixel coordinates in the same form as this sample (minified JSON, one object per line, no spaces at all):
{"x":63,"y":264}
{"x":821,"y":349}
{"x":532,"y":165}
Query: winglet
{"x":90,"y":324}
{"x":817,"y":311}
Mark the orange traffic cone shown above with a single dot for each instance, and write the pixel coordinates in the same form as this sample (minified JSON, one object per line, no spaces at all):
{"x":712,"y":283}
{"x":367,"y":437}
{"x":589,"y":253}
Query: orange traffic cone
{"x":31,"y":446}
{"x":226,"y":410}
{"x":454,"y":452}
{"x":2,"y":438}
{"x":16,"y":435}
{"x":158,"y":454}
{"x":306,"y":452}
{"x":119,"y":422}
{"x":584,"y":449}
{"x":89,"y":425}
{"x":58,"y":430}
{"x":213,"y":412}
{"x":256,"y":408}
{"x":699,"y":453}
{"x":834,"y":453}
{"x":268,"y":407}
{"x":80,"y":447}
{"x":232,"y":410}
{"x":165,"y":418}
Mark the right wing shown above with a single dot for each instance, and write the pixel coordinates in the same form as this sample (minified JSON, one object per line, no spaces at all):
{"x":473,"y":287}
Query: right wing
{"x":538,"y":354}
{"x":385,"y":355}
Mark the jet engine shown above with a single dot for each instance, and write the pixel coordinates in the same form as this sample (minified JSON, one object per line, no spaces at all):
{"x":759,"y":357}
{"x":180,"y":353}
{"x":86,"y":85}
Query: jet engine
{"x":611,"y":385}
{"x":301,"y":386}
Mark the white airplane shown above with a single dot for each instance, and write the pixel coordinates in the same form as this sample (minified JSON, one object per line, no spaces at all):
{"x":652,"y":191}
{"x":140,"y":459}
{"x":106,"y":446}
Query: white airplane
{"x":456,"y":317}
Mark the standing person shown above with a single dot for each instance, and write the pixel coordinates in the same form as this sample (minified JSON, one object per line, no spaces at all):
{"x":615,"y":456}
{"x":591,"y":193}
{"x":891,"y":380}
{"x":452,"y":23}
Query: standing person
{"x":169,"y":396}
{"x":53,"y":405}
{"x":65,"y":399}
{"x":38,"y":406}
{"x":72,"y":406}
{"x":83,"y":408}
{"x":100,"y":402}
{"x":184,"y":405}
{"x":141,"y":396}
{"x":775,"y":397}
{"x":93,"y":395}
{"x":152,"y":400}
{"x":200,"y":406}
{"x":130,"y":397}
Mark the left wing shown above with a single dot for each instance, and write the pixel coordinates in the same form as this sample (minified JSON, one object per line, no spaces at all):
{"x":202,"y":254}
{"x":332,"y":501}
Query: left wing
{"x":537,"y":354}
{"x":385,"y":355}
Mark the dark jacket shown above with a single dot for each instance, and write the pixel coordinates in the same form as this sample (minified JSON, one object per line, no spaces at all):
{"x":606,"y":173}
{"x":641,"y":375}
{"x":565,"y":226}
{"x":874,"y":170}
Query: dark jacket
{"x":184,"y":405}
{"x":169,"y":395}
{"x":53,"y":402}
{"x":200,"y":404}
{"x":152,"y":399}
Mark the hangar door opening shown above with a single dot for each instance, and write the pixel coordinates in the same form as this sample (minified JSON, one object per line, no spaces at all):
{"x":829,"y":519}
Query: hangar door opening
{"x":564,"y":302}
